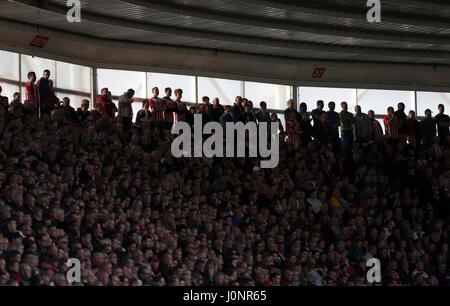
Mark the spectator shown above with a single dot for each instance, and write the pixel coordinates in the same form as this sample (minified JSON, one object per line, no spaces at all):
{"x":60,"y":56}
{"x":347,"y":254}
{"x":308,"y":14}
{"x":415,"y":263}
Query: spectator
{"x":401,"y":122}
{"x":391,"y":126}
{"x":335,"y":122}
{"x":290,"y":109}
{"x":143,"y":114}
{"x":82,"y":112}
{"x":170,"y":108}
{"x":216,"y":110}
{"x":263,"y":115}
{"x":443,"y":123}
{"x":377,"y":129}
{"x":126,"y":109}
{"x":347,"y":123}
{"x":32,"y":92}
{"x":363,"y":126}
{"x":428,"y":126}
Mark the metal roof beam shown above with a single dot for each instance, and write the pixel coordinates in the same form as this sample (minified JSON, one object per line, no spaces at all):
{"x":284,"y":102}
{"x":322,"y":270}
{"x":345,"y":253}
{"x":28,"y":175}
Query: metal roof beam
{"x":237,"y":18}
{"x":337,"y":11}
{"x":244,"y":39}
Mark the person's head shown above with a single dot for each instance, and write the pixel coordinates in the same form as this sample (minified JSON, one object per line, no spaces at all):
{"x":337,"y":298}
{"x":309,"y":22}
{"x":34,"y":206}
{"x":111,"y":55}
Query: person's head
{"x":441,"y":108}
{"x":412,"y":114}
{"x":320,"y":105}
{"x":401,"y":106}
{"x":85,"y":104}
{"x":263,"y":105}
{"x":66,"y":102}
{"x":344,"y":105}
{"x":371,"y":114}
{"x":104,"y":91}
{"x":290,"y":103}
{"x":331,"y":106}
{"x":228,"y":109}
{"x":16,"y":96}
{"x":358,"y":109}
{"x":216,"y":101}
{"x":168,"y":91}
{"x":46,"y":74}
{"x":390,"y":111}
{"x":145,"y":104}
{"x":155,"y":91}
{"x":303,"y":107}
{"x":205,"y":100}
{"x":32,"y":76}
{"x":178,"y":94}
{"x":130,"y":93}
{"x":238,"y":100}
{"x":428,"y":113}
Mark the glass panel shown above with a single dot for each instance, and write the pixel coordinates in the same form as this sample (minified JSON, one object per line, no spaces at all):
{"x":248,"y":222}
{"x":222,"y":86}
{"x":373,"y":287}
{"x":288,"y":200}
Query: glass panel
{"x":276,"y":96}
{"x":38,"y":65}
{"x":73,"y":77}
{"x":225,"y":90}
{"x":174,"y":81}
{"x":119,"y":81}
{"x":310,"y":95}
{"x":380,"y":100}
{"x":9,"y":68}
{"x":431,"y":100}
{"x":9,"y":89}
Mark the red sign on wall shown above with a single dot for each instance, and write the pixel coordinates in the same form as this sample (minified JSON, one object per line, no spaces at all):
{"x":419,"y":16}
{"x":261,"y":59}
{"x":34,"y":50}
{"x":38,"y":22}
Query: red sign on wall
{"x":39,"y":41}
{"x":318,"y":73}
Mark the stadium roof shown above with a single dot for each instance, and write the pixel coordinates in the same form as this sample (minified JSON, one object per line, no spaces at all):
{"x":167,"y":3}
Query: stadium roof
{"x":281,"y":41}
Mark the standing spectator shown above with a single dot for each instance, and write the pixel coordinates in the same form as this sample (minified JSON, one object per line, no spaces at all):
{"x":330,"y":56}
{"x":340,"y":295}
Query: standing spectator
{"x":290,"y":108}
{"x":306,"y":128}
{"x":182,"y":111}
{"x":32,"y":92}
{"x":391,"y":126}
{"x":293,"y":130}
{"x":3,"y":99}
{"x":108,"y":107}
{"x":237,"y":107}
{"x":428,"y":126}
{"x":69,"y":111}
{"x":216,"y":110}
{"x":157,"y":107}
{"x":413,"y":128}
{"x":170,"y":108}
{"x":401,"y":122}
{"x":226,"y":117}
{"x":143,"y":114}
{"x":377,"y":129}
{"x":363,"y":126}
{"x":443,"y":123}
{"x":125,"y":108}
{"x":44,"y":89}
{"x":208,"y":106}
{"x":319,"y":131}
{"x":335,"y":122}
{"x":83,"y":112}
{"x":347,"y":123}
{"x":263,"y":115}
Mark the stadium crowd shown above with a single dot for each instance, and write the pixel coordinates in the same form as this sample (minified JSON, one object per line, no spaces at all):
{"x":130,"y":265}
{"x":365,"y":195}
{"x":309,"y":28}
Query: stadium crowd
{"x":96,"y":186}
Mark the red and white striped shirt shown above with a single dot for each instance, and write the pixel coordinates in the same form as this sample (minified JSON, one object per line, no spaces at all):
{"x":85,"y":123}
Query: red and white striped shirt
{"x":293,"y":131}
{"x":391,"y":127}
{"x":181,"y":106}
{"x":377,"y":131}
{"x":32,"y":93}
{"x":170,"y":105}
{"x":157,"y":107}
